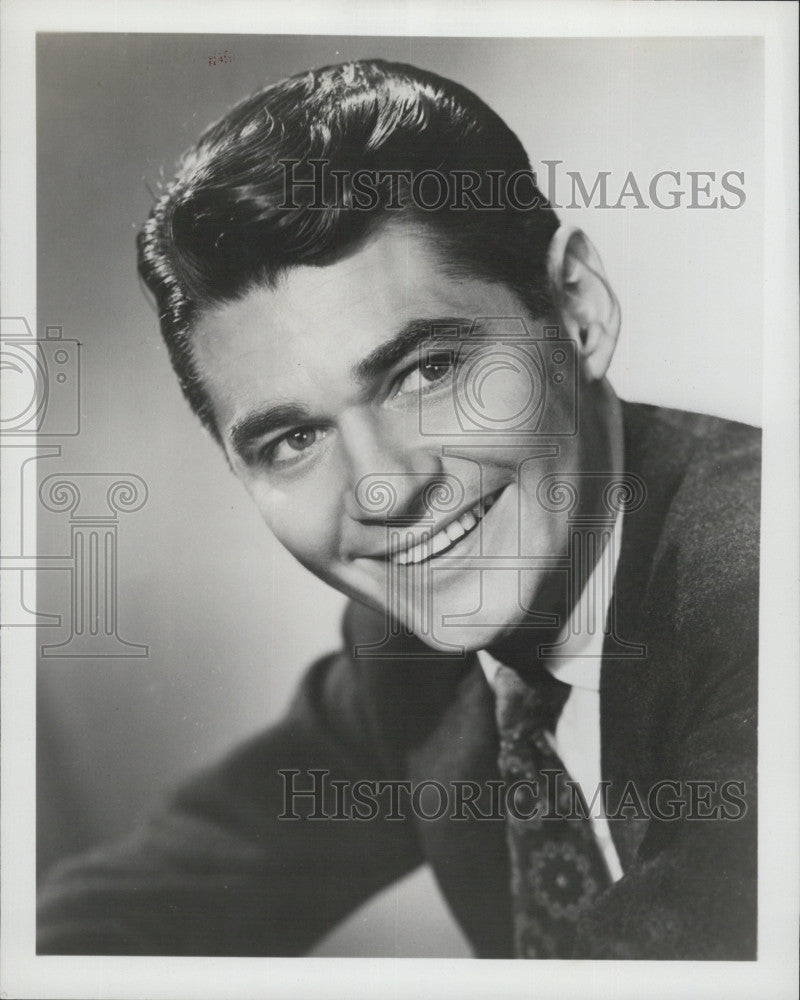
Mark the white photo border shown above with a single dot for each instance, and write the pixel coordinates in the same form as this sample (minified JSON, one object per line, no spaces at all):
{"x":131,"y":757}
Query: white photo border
{"x":774,"y":975}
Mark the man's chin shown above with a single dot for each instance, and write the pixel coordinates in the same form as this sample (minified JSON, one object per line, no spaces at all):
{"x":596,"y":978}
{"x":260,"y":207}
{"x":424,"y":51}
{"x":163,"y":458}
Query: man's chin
{"x":469,"y":614}
{"x":457,"y":637}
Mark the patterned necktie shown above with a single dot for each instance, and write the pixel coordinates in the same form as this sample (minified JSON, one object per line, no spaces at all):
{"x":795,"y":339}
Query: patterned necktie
{"x":556,"y":866}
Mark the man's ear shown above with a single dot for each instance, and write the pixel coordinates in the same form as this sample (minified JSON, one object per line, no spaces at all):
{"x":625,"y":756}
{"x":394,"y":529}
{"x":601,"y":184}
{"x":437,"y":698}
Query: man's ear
{"x":586,"y":305}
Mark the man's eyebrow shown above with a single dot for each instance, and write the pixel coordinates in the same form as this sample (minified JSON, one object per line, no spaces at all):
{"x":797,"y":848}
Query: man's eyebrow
{"x":412,"y":335}
{"x":415,"y":333}
{"x":257,"y":425}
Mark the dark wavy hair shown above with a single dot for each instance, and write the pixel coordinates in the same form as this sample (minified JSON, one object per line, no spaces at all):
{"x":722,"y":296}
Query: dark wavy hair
{"x":223,"y":226}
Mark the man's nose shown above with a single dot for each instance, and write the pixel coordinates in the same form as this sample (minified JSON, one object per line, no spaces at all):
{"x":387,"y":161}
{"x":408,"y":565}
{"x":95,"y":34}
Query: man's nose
{"x":389,"y":477}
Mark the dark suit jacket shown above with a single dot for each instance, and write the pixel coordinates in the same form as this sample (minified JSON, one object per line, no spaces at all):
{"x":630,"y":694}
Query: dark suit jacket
{"x":217,"y":872}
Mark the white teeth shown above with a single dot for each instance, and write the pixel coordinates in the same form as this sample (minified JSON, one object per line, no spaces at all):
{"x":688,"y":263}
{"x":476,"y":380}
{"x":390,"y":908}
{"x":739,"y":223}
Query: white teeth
{"x":455,"y":531}
{"x":439,"y":541}
{"x":468,"y":520}
{"x":415,"y":554}
{"x":445,"y":537}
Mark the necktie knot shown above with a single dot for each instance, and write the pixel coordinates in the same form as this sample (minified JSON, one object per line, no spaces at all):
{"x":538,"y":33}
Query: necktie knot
{"x":533,"y":705}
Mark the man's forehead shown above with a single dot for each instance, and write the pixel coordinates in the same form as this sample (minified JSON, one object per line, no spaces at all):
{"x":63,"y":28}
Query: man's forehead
{"x":312,"y":330}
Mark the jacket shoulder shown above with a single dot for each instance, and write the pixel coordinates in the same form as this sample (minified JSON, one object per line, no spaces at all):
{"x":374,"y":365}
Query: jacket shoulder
{"x":709,"y":541}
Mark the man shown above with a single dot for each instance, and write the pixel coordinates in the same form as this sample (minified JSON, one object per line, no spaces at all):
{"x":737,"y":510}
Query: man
{"x":403,"y":354}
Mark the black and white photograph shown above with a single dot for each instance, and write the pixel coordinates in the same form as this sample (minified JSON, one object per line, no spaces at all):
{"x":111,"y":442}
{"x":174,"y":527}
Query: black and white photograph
{"x":400,"y":508}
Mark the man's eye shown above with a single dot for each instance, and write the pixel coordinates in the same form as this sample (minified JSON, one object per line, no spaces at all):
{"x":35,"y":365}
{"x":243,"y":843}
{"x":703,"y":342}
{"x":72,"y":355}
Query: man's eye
{"x":289,"y":448}
{"x":433,"y":369}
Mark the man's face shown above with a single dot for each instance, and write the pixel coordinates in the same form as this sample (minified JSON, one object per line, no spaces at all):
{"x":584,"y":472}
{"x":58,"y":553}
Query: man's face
{"x":394,"y":447}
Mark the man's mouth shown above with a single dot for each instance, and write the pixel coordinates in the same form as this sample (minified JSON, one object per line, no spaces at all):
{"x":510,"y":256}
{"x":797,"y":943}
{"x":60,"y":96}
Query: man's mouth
{"x":446,"y":537}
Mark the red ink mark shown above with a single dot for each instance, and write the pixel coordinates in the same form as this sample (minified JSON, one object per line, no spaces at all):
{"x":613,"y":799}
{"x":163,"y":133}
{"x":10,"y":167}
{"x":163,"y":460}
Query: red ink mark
{"x":218,"y":58}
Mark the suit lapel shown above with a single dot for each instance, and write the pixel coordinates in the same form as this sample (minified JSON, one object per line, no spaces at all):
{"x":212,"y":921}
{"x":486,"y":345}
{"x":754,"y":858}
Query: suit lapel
{"x":469,"y":855}
{"x":433,"y":720}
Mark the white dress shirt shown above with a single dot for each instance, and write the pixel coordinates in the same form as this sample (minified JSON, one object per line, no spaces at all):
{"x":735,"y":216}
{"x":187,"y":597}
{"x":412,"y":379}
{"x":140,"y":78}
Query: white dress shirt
{"x":577,"y":736}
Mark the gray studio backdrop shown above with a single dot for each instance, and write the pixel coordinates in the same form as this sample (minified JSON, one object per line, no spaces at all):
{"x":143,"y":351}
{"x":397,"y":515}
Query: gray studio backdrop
{"x":228,"y":621}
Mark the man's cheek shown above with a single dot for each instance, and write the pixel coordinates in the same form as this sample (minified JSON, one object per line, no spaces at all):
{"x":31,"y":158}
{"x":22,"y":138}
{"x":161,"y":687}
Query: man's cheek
{"x":311,"y":535}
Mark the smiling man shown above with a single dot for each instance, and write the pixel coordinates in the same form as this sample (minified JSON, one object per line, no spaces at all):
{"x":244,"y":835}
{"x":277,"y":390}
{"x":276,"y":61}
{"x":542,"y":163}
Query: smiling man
{"x":547,"y":683}
{"x":336,"y":382}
